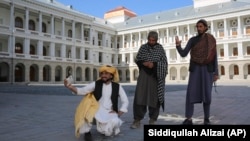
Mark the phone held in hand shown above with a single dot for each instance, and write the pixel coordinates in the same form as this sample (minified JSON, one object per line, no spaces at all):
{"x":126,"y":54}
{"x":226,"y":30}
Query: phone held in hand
{"x":69,"y":80}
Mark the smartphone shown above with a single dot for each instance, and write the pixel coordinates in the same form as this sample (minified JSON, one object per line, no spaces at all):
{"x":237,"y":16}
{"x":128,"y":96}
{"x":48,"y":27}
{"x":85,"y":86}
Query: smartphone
{"x":69,"y":80}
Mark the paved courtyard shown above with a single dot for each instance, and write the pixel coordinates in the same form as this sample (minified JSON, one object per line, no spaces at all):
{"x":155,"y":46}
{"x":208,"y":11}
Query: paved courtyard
{"x":46,"y":112}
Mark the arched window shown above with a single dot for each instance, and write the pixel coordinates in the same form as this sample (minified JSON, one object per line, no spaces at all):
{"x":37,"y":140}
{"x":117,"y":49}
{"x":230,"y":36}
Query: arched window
{"x":236,"y":70}
{"x":32,"y":25}
{"x":248,"y":69}
{"x":18,"y":48}
{"x":222,"y":70}
{"x":18,"y":22}
{"x":44,"y":28}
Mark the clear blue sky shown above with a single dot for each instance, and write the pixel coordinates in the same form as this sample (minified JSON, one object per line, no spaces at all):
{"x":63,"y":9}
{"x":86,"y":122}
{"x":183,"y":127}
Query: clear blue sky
{"x":98,"y":8}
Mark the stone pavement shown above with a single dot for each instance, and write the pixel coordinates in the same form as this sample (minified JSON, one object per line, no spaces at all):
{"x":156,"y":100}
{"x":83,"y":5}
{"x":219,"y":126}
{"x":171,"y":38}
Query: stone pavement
{"x":46,"y":112}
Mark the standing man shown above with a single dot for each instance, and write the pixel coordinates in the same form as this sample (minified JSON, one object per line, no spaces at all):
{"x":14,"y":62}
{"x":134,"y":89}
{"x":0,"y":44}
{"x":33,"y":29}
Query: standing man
{"x":150,"y":89}
{"x":101,"y":103}
{"x":203,"y":70}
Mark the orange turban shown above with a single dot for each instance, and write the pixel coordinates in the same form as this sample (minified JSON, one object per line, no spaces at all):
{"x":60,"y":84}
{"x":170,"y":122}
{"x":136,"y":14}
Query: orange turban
{"x":111,"y":70}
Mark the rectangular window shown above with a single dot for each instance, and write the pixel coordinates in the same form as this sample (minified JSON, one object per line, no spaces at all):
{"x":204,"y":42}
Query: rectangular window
{"x":1,"y":47}
{"x":248,"y":50}
{"x":221,"y":52}
{"x":248,"y":30}
{"x":86,"y":53}
{"x":100,"y":57}
{"x":221,"y":33}
{"x":234,"y":31}
{"x":235,"y":51}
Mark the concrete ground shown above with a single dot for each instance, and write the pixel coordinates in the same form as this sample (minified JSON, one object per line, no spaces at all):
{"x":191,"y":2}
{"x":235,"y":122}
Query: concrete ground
{"x":46,"y":112}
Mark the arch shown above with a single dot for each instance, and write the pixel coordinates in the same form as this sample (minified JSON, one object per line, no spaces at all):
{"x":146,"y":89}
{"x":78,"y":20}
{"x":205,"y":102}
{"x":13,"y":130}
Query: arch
{"x":120,"y":75}
{"x":87,"y":74}
{"x":78,"y":74}
{"x":4,"y":72}
{"x":46,"y":73}
{"x":236,"y":70}
{"x":18,"y":22}
{"x":246,"y":71}
{"x":69,"y":71}
{"x":183,"y":73}
{"x":173,"y":73}
{"x":58,"y":73}
{"x":222,"y":70}
{"x":95,"y":74}
{"x":136,"y":74}
{"x":233,"y":70}
{"x":19,"y":72}
{"x":127,"y":75}
{"x":34,"y":72}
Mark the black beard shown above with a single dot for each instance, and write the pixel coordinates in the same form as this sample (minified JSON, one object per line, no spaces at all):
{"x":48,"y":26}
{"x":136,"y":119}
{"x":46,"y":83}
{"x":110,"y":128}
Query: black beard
{"x":107,"y":80}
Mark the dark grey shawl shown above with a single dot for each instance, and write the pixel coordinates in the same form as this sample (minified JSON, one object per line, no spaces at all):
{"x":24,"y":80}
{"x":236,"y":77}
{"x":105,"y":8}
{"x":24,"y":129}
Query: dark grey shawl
{"x":157,"y":55}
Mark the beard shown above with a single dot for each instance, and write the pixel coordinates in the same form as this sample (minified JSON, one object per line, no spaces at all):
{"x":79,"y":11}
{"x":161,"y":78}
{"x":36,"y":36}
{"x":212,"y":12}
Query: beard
{"x":105,"y":80}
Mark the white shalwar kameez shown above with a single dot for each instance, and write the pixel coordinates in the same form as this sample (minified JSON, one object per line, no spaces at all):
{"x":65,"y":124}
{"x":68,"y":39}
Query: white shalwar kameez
{"x":107,"y":123}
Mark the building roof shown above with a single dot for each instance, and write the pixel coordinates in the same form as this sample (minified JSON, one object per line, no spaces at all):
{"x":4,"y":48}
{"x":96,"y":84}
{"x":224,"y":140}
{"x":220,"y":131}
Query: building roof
{"x":181,"y":14}
{"x":119,"y":11}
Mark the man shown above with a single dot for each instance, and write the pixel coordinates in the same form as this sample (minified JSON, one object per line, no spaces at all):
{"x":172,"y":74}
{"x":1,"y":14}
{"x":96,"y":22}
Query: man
{"x":150,"y":89}
{"x":106,"y":91}
{"x":203,"y":70}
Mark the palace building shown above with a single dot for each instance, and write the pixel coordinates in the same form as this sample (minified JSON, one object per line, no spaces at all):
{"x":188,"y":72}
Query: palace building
{"x":44,"y":41}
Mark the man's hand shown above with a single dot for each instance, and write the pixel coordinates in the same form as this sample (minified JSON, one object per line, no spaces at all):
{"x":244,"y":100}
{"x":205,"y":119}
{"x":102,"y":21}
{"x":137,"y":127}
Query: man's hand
{"x":120,"y":113}
{"x":177,"y":41}
{"x":148,"y":64}
{"x":215,"y":78}
{"x":66,"y":83}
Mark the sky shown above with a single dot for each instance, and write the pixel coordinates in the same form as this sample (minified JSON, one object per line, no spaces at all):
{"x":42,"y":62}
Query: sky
{"x":98,"y":8}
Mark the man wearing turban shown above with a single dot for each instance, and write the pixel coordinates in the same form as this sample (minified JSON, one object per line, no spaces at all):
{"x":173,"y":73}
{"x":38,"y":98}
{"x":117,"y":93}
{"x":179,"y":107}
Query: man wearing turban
{"x":100,"y":103}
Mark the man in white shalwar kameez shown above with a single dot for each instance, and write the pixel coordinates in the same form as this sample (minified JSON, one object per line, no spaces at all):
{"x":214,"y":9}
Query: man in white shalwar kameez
{"x":106,"y":91}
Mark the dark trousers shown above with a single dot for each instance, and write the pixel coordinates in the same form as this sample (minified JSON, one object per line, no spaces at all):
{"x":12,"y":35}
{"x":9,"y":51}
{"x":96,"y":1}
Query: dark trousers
{"x":140,"y":111}
{"x":190,"y":110}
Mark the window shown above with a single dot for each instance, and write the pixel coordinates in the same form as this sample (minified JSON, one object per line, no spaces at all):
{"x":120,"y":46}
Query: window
{"x":248,"y":30}
{"x":248,"y":69}
{"x":235,"y":51}
{"x":32,"y":50}
{"x":222,"y":69}
{"x":100,"y":57}
{"x":86,"y":54}
{"x":44,"y":51}
{"x":31,"y":25}
{"x":221,"y":52}
{"x":1,"y":21}
{"x":1,"y":47}
{"x":236,"y":70}
{"x":44,"y":28}
{"x":69,"y":54}
{"x":221,"y":33}
{"x":234,"y":31}
{"x":18,"y":48}
{"x":248,"y":50}
{"x":18,"y":22}
{"x":70,"y":33}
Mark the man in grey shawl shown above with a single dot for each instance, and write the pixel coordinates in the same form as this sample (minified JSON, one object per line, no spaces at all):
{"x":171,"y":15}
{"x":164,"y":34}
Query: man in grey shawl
{"x":203,"y":70}
{"x":150,"y":89}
